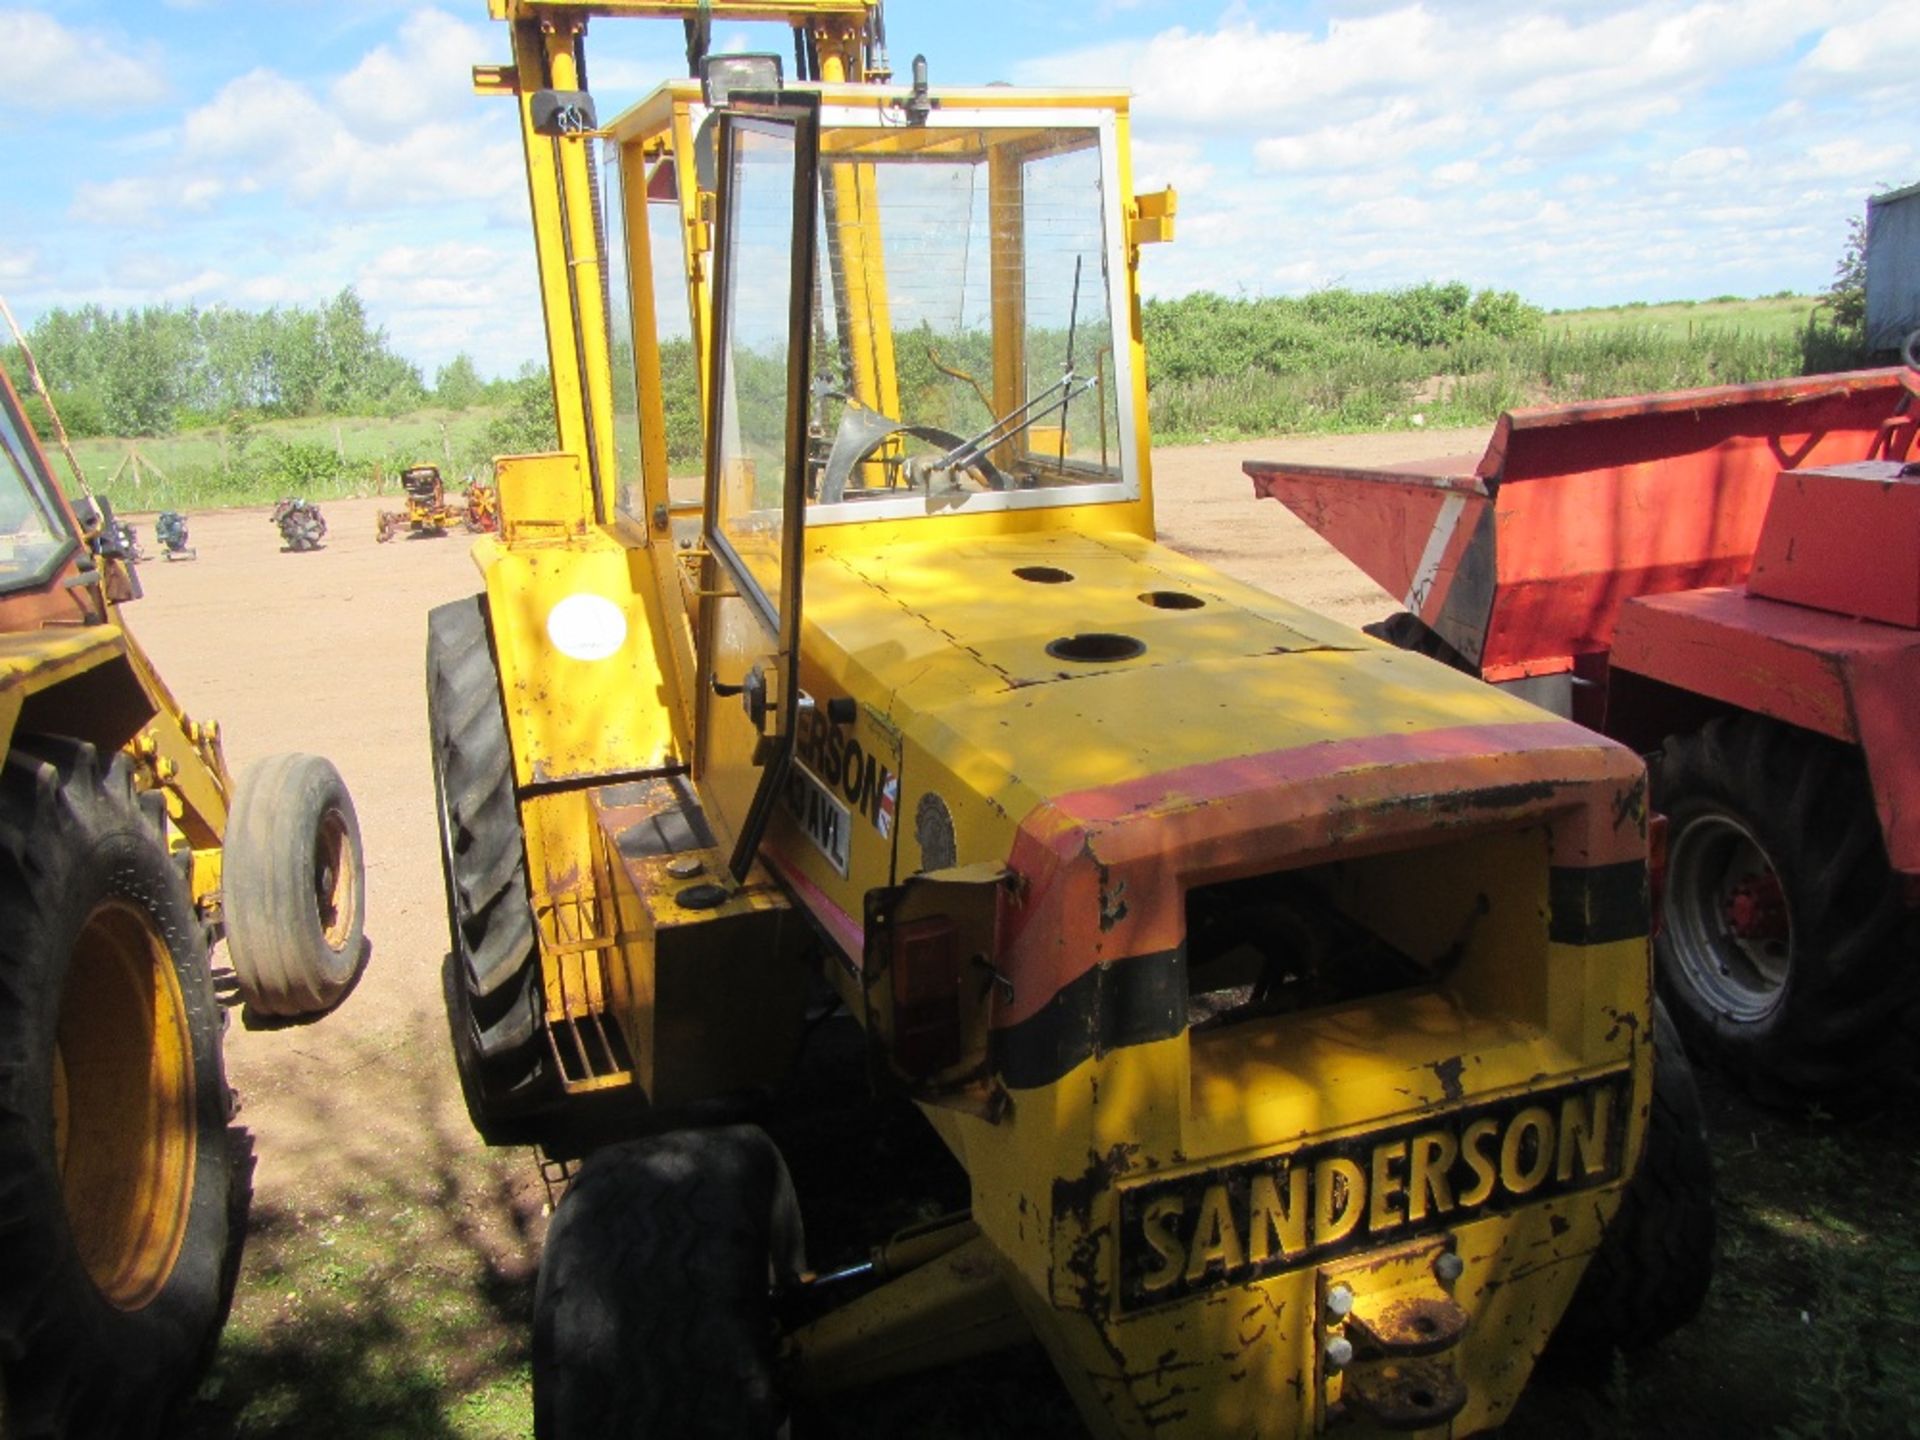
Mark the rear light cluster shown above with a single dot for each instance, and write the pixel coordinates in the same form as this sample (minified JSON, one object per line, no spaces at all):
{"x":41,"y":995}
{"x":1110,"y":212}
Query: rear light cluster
{"x":927,"y":974}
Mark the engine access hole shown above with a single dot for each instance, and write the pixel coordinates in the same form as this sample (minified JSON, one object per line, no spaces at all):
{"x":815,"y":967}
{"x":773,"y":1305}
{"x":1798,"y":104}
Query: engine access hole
{"x":1044,"y":574}
{"x":1095,"y":647}
{"x":1171,"y":600}
{"x":1278,"y":945}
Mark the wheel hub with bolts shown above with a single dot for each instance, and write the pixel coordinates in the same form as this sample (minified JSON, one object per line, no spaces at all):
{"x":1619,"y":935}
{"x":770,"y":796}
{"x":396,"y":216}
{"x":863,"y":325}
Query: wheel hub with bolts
{"x":1757,"y":909}
{"x":1728,"y":924}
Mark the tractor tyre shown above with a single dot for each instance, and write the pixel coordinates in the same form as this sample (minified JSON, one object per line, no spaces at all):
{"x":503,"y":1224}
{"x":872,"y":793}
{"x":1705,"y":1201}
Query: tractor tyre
{"x":1650,"y":1275}
{"x":123,"y":1195}
{"x":653,"y":1313}
{"x":491,"y":981}
{"x":1406,"y":631}
{"x":1783,"y":947}
{"x":294,"y":891}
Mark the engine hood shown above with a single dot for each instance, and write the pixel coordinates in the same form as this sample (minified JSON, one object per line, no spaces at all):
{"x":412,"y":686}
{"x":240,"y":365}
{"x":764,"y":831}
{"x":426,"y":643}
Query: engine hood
{"x":1035,"y":666}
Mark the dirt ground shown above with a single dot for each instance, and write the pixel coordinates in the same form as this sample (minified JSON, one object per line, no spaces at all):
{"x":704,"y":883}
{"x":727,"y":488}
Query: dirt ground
{"x":388,"y":1277}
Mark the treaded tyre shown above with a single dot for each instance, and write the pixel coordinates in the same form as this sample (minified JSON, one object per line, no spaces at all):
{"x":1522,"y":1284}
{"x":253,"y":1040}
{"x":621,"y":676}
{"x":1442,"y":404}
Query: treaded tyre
{"x":122,"y":1193}
{"x":653,"y":1314}
{"x":1781,"y":945}
{"x":1406,"y":631}
{"x":294,"y":888}
{"x":1650,"y":1275}
{"x":491,"y":981}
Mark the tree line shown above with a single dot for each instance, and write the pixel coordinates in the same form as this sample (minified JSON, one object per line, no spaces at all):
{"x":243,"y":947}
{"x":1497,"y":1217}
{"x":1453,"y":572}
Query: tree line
{"x":158,"y":369}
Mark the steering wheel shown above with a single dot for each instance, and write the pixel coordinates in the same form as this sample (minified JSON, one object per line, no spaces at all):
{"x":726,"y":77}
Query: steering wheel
{"x":1910,"y":351}
{"x":863,"y":431}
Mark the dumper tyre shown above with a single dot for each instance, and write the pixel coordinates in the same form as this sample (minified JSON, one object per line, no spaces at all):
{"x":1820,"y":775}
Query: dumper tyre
{"x":1650,"y":1275}
{"x":653,"y":1312}
{"x":1784,"y":948}
{"x":1406,"y":631}
{"x":491,"y":979}
{"x":294,"y":888}
{"x":123,"y":1191}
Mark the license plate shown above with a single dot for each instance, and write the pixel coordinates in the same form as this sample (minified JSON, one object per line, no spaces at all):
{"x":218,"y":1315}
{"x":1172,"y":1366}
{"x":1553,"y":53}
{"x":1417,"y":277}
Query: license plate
{"x":827,"y":822}
{"x":1207,"y":1229}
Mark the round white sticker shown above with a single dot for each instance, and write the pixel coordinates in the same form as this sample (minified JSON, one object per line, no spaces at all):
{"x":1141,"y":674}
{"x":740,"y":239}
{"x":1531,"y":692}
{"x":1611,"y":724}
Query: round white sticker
{"x":586,"y":627}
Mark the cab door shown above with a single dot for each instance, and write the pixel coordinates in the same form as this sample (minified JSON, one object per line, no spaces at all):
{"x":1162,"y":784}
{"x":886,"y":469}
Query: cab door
{"x":752,"y":526}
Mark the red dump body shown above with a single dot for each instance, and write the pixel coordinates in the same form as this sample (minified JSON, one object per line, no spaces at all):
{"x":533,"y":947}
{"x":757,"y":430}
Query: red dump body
{"x":1521,"y":559}
{"x":1615,"y":540}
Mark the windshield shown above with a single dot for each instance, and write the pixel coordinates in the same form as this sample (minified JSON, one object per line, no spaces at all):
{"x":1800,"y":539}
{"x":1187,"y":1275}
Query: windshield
{"x":34,"y":538}
{"x":964,"y":330}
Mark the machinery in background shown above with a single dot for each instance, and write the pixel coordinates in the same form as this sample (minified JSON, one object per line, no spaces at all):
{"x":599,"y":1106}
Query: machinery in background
{"x":126,"y":853}
{"x":1728,"y":581}
{"x":428,"y":510}
{"x":170,"y":532}
{"x":301,"y":525}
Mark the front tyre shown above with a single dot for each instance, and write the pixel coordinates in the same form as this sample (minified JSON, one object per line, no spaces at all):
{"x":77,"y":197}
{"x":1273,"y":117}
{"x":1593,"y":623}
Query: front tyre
{"x":1781,"y":924}
{"x":653,"y":1312}
{"x":491,"y":979}
{"x":122,"y":1194}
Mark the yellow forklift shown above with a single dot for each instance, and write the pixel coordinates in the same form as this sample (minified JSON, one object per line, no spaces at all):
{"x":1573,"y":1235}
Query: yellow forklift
{"x":126,"y":854}
{"x":1283,"y":998}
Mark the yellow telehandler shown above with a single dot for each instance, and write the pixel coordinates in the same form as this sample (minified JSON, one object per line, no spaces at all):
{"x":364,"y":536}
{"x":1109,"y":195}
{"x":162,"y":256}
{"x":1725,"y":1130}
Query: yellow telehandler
{"x":126,"y":853}
{"x":1282,"y":998}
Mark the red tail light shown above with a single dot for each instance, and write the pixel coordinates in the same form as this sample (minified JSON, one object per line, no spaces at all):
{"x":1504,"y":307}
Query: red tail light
{"x":925,"y":973}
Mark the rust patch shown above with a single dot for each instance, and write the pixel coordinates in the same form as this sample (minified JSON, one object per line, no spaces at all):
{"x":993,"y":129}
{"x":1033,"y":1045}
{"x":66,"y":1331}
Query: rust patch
{"x":1408,"y":1394}
{"x":1075,"y":1197}
{"x":1448,"y":1072}
{"x":1630,"y":805}
{"x":1417,"y":1325}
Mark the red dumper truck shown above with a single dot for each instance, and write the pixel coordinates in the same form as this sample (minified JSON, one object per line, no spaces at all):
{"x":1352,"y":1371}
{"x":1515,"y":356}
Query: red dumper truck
{"x":1728,"y":580}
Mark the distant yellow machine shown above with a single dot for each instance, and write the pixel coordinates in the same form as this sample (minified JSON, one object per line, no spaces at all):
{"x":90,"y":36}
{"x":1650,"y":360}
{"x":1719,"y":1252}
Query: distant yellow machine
{"x":1283,"y":997}
{"x":428,"y":511}
{"x":126,"y":853}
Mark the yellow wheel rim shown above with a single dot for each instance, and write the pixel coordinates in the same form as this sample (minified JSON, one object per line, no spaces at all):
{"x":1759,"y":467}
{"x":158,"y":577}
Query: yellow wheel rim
{"x":335,"y":891}
{"x":123,"y":1105}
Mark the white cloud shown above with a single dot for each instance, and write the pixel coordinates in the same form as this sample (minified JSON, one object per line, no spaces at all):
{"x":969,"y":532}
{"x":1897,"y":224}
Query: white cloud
{"x":141,"y":199}
{"x":1577,"y":150}
{"x":53,"y":67}
{"x":428,"y":75}
{"x":1457,"y":172}
{"x":277,"y":134}
{"x":1386,"y":136}
{"x":1880,"y":48}
{"x":17,"y":265}
{"x":1157,"y":164}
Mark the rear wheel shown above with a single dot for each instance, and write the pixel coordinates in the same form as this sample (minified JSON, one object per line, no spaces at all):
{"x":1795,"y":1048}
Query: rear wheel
{"x":1407,"y":631}
{"x":122,"y":1194}
{"x":294,"y":890}
{"x":1650,"y":1275}
{"x":492,"y":975}
{"x":653,"y":1312}
{"x":1780,"y":945}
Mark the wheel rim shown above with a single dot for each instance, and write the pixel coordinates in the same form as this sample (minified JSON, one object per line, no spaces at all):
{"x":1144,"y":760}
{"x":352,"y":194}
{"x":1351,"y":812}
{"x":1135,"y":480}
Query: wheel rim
{"x":334,"y":881}
{"x":1728,"y":928}
{"x":123,"y":1105}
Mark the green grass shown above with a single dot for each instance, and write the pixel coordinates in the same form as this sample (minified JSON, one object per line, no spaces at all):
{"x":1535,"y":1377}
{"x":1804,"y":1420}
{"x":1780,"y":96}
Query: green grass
{"x":1255,"y":368}
{"x":1220,"y":369}
{"x":202,"y":469}
{"x":1771,"y":315}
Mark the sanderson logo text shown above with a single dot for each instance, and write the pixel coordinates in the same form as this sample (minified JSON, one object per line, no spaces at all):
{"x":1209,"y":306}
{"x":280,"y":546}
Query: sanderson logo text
{"x":1227,"y":1226}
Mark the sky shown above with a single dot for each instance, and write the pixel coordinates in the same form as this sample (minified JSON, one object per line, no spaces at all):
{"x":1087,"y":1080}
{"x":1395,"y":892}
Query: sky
{"x":1581,"y":152}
